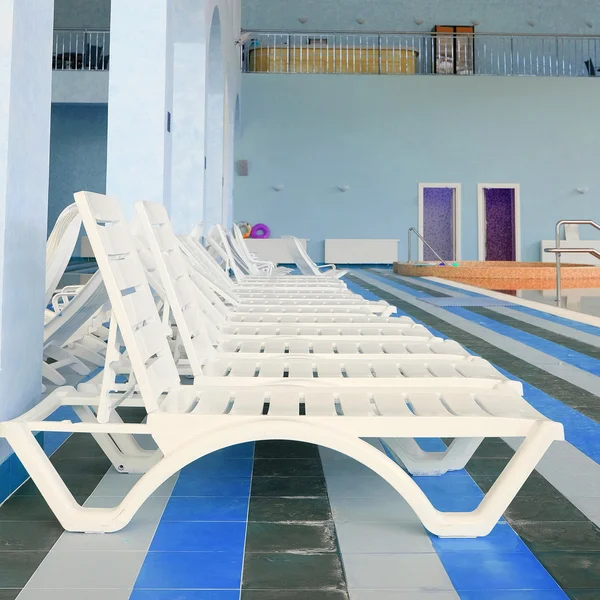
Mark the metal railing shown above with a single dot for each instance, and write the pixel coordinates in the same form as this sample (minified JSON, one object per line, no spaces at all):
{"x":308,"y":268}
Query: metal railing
{"x":80,"y":50}
{"x":558,"y":251}
{"x":410,"y":232}
{"x":395,"y":53}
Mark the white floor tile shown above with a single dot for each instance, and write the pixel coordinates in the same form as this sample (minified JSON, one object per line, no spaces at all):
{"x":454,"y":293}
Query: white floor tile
{"x":398,"y":595}
{"x":388,"y":509}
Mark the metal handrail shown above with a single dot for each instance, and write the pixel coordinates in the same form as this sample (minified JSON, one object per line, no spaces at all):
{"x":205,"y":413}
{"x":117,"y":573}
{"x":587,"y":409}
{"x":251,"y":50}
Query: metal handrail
{"x":413,"y":230}
{"x":558,"y":251}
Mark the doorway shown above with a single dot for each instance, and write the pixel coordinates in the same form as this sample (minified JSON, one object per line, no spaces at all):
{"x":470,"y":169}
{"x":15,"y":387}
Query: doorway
{"x":439,"y":220}
{"x":499,"y":224}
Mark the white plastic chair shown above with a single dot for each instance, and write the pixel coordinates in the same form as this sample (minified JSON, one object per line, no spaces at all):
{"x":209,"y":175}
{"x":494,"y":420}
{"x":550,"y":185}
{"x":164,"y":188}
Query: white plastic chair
{"x":193,"y":421}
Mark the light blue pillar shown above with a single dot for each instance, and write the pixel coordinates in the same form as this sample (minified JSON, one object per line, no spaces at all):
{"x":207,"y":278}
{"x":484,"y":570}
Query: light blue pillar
{"x":25,"y":99}
{"x":139,"y":101}
{"x":189,"y":98}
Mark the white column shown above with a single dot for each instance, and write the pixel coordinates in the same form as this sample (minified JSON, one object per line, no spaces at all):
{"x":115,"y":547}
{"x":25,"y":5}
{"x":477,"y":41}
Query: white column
{"x":25,"y":99}
{"x":139,"y":100}
{"x":189,"y":97}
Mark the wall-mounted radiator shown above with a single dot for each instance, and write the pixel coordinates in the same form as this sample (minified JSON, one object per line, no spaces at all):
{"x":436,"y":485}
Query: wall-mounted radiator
{"x":361,"y":252}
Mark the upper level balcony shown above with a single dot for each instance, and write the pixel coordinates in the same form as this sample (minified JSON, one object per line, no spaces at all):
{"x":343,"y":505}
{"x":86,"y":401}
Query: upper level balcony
{"x":80,"y":59}
{"x":436,"y":53}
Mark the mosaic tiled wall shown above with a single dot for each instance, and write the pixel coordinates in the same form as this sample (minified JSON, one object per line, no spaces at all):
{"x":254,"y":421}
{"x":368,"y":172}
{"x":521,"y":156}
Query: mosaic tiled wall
{"x":500,"y":224}
{"x":438,"y":222}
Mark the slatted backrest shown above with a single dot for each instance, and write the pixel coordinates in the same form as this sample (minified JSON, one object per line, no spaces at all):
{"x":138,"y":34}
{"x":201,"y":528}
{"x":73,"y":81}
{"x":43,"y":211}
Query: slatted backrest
{"x":60,"y":246}
{"x":217,"y":240}
{"x":131,"y":300}
{"x":89,"y":300}
{"x":303,"y":261}
{"x":204,"y":262}
{"x":194,"y":314}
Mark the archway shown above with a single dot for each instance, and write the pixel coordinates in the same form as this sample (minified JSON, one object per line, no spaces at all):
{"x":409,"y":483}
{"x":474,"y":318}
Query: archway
{"x":214,"y":132}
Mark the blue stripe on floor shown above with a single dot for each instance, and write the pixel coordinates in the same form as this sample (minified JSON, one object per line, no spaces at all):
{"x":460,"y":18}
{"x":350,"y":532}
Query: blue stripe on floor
{"x":198,"y":550}
{"x":580,"y":431}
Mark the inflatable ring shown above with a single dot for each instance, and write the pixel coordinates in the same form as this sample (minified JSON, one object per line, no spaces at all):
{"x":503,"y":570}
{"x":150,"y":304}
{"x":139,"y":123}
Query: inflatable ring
{"x":245,"y":228}
{"x":260,"y":232}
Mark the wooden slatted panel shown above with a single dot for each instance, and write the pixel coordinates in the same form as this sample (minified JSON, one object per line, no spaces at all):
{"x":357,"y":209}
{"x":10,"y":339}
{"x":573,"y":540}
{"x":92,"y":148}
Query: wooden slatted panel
{"x":427,"y":404}
{"x":329,"y":368}
{"x":248,"y":402}
{"x":358,"y":369}
{"x":463,"y":404}
{"x":442,"y":369}
{"x":385,"y":369}
{"x":282,"y":403}
{"x":319,"y":404}
{"x":244,"y":368}
{"x":413,"y":369}
{"x":356,"y":404}
{"x":392,"y":404}
{"x":213,"y":402}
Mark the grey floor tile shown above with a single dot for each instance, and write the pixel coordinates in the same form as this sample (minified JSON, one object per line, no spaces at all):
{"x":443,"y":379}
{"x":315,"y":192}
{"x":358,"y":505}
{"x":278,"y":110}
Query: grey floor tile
{"x":87,"y":570}
{"x":136,"y":537}
{"x":79,"y":594}
{"x":348,"y":486}
{"x":348,"y":467}
{"x":395,"y":572}
{"x":383,"y":538}
{"x":398,"y":595}
{"x":590,"y":507}
{"x":119,"y":484}
{"x":388,"y":509}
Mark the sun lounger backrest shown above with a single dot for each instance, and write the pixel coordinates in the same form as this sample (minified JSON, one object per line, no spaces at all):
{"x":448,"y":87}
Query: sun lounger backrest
{"x":205,"y":262}
{"x":301,"y":258}
{"x":217,"y":240}
{"x":193,"y":312}
{"x":88,"y":301}
{"x":60,"y":246}
{"x":131,"y":299}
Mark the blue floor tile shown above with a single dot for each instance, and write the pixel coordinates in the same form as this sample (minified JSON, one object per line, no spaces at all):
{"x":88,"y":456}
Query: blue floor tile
{"x":211,"y":486}
{"x":496,"y":571}
{"x":190,"y":536}
{"x":501,"y":539}
{"x":206,"y":508}
{"x":185,"y":595}
{"x":514,"y":595}
{"x":237,"y":451}
{"x":191,"y":570}
{"x":219,"y":466}
{"x":458,"y":483}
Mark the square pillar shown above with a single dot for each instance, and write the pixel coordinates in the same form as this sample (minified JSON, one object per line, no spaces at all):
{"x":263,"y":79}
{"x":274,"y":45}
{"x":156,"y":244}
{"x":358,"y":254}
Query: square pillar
{"x":25,"y":101}
{"x":139,"y":101}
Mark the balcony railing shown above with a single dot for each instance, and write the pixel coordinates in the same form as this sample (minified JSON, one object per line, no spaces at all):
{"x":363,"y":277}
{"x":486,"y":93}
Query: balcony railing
{"x":421,"y":53}
{"x":80,"y":50}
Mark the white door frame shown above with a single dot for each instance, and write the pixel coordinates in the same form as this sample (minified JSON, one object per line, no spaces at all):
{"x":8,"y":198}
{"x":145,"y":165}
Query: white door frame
{"x":456,"y":214}
{"x":481,"y":187}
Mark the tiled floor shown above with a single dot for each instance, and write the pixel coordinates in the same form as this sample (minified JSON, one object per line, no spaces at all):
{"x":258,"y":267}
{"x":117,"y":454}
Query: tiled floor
{"x":289,"y":521}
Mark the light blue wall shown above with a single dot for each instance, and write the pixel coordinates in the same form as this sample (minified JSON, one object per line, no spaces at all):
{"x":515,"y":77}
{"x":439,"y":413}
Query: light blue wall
{"x":77,"y":154}
{"x":384,"y":135}
{"x":557,"y":16}
{"x":81,"y":14}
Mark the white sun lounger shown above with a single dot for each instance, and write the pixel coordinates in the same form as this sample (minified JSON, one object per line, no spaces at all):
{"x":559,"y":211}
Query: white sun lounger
{"x":59,"y":247}
{"x":306,"y":264}
{"x":192,"y":421}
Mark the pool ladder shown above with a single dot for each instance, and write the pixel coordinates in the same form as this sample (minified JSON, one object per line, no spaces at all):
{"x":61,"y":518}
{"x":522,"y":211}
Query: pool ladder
{"x":410,"y":232}
{"x":558,"y":251}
